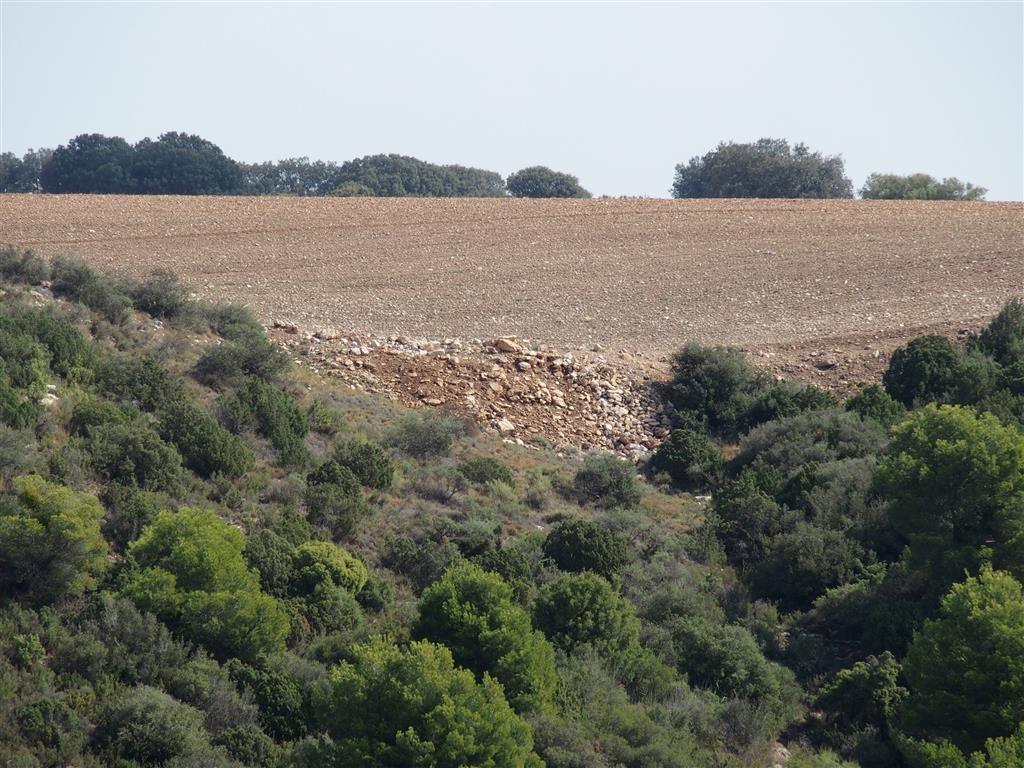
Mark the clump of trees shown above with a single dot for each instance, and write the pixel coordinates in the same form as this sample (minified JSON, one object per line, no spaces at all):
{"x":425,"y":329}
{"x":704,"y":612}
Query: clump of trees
{"x":765,"y":168}
{"x":540,"y":181}
{"x":918,"y":186}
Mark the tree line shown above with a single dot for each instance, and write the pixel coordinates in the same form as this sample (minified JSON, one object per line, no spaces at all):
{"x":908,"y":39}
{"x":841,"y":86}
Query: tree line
{"x":183,"y":164}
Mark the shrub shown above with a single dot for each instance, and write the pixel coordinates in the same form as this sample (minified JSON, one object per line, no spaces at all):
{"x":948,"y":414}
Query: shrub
{"x":691,"y":459}
{"x":129,"y":510}
{"x":148,"y":726}
{"x":333,"y":473}
{"x":874,"y":403}
{"x":580,"y":545}
{"x":140,"y":381}
{"x":205,"y":446}
{"x":273,"y":414}
{"x":316,"y":562}
{"x":367,"y":461}
{"x":486,"y":469}
{"x":324,"y":419}
{"x":50,"y":540}
{"x":927,"y":370}
{"x":539,"y":181}
{"x":865,"y":694}
{"x":422,"y":562}
{"x":133,"y":454}
{"x":715,"y":386}
{"x":472,"y":613}
{"x":782,"y":399}
{"x":71,"y":354}
{"x":918,"y":186}
{"x":22,"y":266}
{"x":1003,"y":338}
{"x":230,"y":362}
{"x":421,"y":435}
{"x":583,"y":609}
{"x":607,"y":481}
{"x":76,"y":280}
{"x":160,"y":295}
{"x":428,"y":700}
{"x":336,"y":508}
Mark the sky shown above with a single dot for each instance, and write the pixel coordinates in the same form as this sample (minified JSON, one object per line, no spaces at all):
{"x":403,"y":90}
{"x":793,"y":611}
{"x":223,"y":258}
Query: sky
{"x":614,"y":93}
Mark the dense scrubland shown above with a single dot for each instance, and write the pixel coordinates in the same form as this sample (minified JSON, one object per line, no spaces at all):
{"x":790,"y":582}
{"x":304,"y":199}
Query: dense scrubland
{"x":209,"y":557}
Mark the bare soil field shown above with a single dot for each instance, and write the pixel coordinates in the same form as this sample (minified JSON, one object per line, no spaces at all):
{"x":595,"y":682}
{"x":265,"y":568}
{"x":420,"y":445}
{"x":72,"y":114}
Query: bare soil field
{"x":844,"y":280}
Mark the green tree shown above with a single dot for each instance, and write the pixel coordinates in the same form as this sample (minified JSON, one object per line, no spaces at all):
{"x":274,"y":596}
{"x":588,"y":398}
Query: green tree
{"x":183,"y":164}
{"x":147,"y":726}
{"x":400,"y":176}
{"x":89,"y":163}
{"x":50,"y":540}
{"x":540,"y":181}
{"x":965,"y":668}
{"x":368,"y":461}
{"x":583,"y":609}
{"x":918,"y":186}
{"x":580,"y":545}
{"x":1003,"y":338}
{"x":866,"y":694}
{"x":714,"y":387}
{"x":956,"y":485}
{"x":766,"y":168}
{"x":927,"y":370}
{"x":876,"y":404}
{"x":193,"y":574}
{"x":389,"y":707}
{"x":472,"y":612}
{"x":22,"y":174}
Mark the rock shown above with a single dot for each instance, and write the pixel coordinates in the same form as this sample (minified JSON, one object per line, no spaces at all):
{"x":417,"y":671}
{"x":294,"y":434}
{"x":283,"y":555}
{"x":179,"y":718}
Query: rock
{"x":522,"y":365}
{"x":507,"y":345}
{"x":505,"y":426}
{"x":326,"y":334}
{"x":826,"y":363}
{"x":433,"y":401}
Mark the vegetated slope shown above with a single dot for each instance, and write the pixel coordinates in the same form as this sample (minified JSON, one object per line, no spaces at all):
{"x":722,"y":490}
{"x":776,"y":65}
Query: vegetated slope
{"x":641,"y":274}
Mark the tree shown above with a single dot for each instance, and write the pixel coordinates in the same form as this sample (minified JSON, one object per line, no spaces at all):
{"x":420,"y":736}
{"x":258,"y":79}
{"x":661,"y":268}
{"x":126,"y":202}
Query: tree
{"x":183,"y":164}
{"x":580,"y":545}
{"x":149,"y":727}
{"x":955,"y":481}
{"x":368,"y":461}
{"x":388,"y":707}
{"x":22,"y":175}
{"x":472,"y":613}
{"x":90,"y":163}
{"x":50,"y":541}
{"x":1003,"y":338}
{"x":864,"y":695}
{"x":583,"y":609}
{"x":926,"y":370}
{"x":540,"y":181}
{"x":714,"y":387}
{"x":918,"y":186}
{"x":876,"y":404}
{"x":965,"y":668}
{"x":767,"y":168}
{"x":400,"y":176}
{"x":192,"y":574}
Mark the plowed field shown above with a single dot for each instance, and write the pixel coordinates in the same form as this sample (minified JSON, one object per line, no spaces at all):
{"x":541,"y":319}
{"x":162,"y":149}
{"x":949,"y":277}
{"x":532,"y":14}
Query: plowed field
{"x":644,"y":275}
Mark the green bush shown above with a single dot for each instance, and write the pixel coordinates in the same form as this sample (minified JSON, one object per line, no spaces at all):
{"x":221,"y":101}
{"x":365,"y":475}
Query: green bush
{"x":22,"y":266}
{"x":230,"y":362}
{"x":486,"y":469}
{"x":272,"y":413}
{"x":75,"y":280}
{"x":714,"y":387}
{"x":873,"y":402}
{"x":205,"y":446}
{"x":580,"y":545}
{"x":424,"y":434}
{"x":133,"y":455}
{"x":71,"y":354}
{"x":864,"y":695}
{"x":473,"y":614}
{"x":368,"y":462}
{"x":160,"y":295}
{"x":336,"y":508}
{"x":332,"y":472}
{"x":607,"y":481}
{"x":1003,"y":338}
{"x":149,"y":727}
{"x":583,"y":609}
{"x":140,"y":381}
{"x":927,"y":370}
{"x":782,"y":399}
{"x":691,"y":459}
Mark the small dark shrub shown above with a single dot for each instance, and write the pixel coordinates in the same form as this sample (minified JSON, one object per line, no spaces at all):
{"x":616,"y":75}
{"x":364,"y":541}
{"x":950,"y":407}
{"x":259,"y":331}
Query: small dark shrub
{"x":368,"y":462}
{"x":272,"y":413}
{"x":230,"y":362}
{"x":425,"y":434}
{"x":76,"y":280}
{"x":580,"y":545}
{"x":160,"y":295}
{"x":607,"y":481}
{"x":783,"y":399}
{"x":22,"y":266}
{"x":927,"y":370}
{"x":333,"y":473}
{"x":876,"y":404}
{"x":71,"y":354}
{"x":205,"y":446}
{"x":335,"y":508}
{"x":134,"y":455}
{"x":486,"y":469}
{"x":141,"y":381}
{"x":715,"y":385}
{"x":691,"y":459}
{"x":1003,"y":338}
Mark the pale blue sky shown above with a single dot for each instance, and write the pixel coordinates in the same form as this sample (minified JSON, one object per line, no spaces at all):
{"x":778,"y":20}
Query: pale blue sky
{"x":614,"y":93}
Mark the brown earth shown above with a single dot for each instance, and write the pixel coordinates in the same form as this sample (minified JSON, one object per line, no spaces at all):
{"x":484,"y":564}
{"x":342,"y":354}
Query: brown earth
{"x":821,"y":290}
